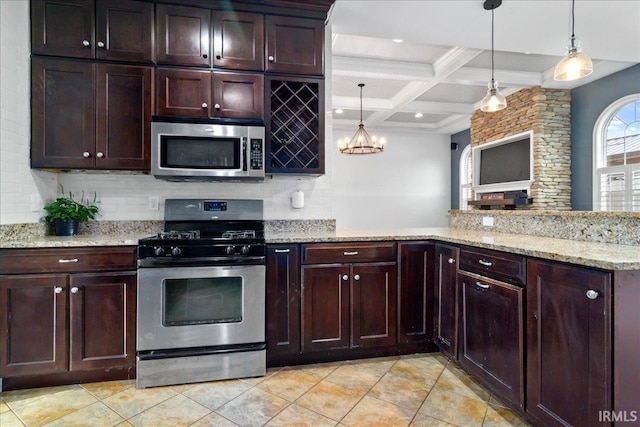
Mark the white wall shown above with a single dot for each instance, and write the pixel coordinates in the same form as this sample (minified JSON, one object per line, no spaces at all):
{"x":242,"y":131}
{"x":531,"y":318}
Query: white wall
{"x":408,"y":185}
{"x":18,"y":183}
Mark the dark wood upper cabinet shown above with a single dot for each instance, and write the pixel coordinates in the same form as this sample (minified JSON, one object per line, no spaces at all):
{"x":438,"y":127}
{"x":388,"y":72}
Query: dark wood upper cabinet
{"x":446,"y":299}
{"x":62,"y":93}
{"x":283,"y":302}
{"x":492,"y":334}
{"x":123,"y":117}
{"x":415,"y":298}
{"x":294,"y":45}
{"x":568,"y":344}
{"x":33,"y":323}
{"x":102,"y":321}
{"x":183,"y":35}
{"x":124,"y":30}
{"x":63,"y":28}
{"x":238,"y":96}
{"x":182,"y":92}
{"x":238,"y":40}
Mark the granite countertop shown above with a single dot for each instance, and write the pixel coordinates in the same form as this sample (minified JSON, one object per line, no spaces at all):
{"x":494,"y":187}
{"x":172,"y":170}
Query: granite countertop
{"x":600,"y":255}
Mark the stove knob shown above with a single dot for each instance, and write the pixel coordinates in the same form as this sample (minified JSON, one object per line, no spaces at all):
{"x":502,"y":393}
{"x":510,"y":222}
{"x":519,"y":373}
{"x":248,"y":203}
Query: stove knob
{"x":245,"y":250}
{"x":175,"y":251}
{"x":229,"y":250}
{"x":159,"y":251}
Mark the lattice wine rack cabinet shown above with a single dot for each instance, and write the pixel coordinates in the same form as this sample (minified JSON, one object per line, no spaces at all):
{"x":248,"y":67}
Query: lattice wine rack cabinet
{"x":295,"y":126}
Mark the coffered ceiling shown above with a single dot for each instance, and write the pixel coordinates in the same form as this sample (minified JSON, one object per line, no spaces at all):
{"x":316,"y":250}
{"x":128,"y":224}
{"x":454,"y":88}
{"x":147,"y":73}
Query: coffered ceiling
{"x":442,"y":67}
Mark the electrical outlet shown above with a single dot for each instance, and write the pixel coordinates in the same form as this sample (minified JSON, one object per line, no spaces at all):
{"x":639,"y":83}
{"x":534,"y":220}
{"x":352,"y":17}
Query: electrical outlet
{"x":35,"y":202}
{"x":154,"y":203}
{"x":487,"y":221}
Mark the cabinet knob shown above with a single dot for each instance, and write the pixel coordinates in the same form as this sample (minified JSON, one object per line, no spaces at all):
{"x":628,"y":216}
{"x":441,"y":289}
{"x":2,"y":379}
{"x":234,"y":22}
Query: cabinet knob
{"x":204,"y":105}
{"x":99,"y":154}
{"x":74,"y":290}
{"x":271,"y":58}
{"x":218,"y":56}
{"x":86,"y":154}
{"x":591,"y":294}
{"x":451,"y":261}
{"x":86,"y":43}
{"x":205,"y":56}
{"x":345,"y":277}
{"x":57,"y":289}
{"x":101,"y":45}
{"x":217,"y":106}
{"x":356,"y":277}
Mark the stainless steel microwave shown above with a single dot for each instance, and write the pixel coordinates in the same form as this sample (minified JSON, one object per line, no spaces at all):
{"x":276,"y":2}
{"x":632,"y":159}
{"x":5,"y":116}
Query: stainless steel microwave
{"x":199,"y":151}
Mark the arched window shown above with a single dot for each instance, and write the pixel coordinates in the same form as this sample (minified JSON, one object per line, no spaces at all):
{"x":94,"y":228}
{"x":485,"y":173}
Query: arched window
{"x":616,"y":177}
{"x":465,"y":177}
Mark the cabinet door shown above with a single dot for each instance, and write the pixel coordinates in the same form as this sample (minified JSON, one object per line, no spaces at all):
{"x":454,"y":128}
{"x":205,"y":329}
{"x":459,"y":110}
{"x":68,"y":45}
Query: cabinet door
{"x":182,"y":35}
{"x":124,"y":30}
{"x":568,"y":344}
{"x":446,"y":300}
{"x":492,"y":334}
{"x":62,"y":93}
{"x":62,"y":28}
{"x":295,"y":126}
{"x":325,"y":307}
{"x":415,"y":319}
{"x":373,"y":305}
{"x":283,"y":301}
{"x":238,"y":96}
{"x":183,"y":92}
{"x":238,"y":40}
{"x":294,"y":45}
{"x":33,"y":325}
{"x":123,"y":117}
{"x":103,"y":320}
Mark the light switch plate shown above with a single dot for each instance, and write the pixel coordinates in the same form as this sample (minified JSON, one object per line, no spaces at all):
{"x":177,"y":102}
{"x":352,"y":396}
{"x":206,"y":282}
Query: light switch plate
{"x":154,"y":203}
{"x":487,"y":221}
{"x":35,"y":202}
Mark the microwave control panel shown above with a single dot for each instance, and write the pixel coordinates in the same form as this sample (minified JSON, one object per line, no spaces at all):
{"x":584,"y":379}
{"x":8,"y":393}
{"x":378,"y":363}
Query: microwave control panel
{"x":256,"y":154}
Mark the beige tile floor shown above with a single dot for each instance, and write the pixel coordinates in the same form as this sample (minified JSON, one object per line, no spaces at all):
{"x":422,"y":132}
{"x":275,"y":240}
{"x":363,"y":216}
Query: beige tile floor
{"x":418,"y":390}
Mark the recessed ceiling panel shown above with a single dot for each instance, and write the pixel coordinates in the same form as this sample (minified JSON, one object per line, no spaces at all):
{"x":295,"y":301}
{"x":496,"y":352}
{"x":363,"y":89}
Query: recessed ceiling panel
{"x":454,"y":93}
{"x":514,"y":61}
{"x":352,"y":115}
{"x":411,"y":118}
{"x":373,"y":88}
{"x":377,"y":48}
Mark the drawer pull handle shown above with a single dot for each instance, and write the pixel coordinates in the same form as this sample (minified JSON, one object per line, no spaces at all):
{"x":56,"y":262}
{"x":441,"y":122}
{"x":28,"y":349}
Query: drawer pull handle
{"x":350,"y":253}
{"x":482,"y":285}
{"x":74,"y":290}
{"x":591,"y":294}
{"x":282,"y":251}
{"x":67,"y":261}
{"x":485,"y":263}
{"x":345,"y":277}
{"x":451,"y":261}
{"x":57,"y":289}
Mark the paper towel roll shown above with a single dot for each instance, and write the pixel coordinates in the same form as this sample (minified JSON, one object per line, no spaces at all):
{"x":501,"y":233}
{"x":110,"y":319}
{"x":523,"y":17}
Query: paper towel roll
{"x":297,"y":199}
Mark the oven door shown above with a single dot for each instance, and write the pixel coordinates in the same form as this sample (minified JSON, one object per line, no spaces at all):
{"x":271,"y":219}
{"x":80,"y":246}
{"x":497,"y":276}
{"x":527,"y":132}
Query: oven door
{"x":187,"y":307}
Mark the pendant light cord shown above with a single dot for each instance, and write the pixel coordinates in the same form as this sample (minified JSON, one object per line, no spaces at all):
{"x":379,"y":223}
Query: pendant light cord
{"x":492,"y":44}
{"x":573,"y":19}
{"x":361,"y":86}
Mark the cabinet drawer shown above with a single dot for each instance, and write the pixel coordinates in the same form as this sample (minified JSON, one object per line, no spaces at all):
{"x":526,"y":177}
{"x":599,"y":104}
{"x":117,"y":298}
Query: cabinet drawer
{"x":497,"y":265}
{"x":329,"y":253}
{"x":19,"y":261}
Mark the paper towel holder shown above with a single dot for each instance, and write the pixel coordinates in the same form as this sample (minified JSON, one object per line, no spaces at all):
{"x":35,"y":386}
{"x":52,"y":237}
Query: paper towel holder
{"x":297,"y":199}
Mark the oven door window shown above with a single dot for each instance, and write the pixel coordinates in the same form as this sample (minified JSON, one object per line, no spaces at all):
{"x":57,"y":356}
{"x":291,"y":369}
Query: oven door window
{"x":200,"y":152}
{"x":202,"y":301}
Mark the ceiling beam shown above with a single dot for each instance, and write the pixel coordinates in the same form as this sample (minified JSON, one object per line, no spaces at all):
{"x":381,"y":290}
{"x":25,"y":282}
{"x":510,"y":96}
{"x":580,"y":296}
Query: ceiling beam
{"x":481,"y":76}
{"x":380,"y":69}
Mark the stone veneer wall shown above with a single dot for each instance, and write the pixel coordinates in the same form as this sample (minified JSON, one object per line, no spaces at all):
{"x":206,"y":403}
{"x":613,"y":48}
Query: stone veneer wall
{"x":547,"y":113}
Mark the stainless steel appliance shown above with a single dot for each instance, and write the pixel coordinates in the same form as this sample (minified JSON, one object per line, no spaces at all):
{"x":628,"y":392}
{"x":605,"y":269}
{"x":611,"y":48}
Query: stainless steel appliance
{"x":201,"y":294}
{"x":203,"y":151}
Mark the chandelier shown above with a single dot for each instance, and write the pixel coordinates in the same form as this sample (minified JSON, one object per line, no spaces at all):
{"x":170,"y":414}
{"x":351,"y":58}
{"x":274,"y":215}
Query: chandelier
{"x":361,"y":142}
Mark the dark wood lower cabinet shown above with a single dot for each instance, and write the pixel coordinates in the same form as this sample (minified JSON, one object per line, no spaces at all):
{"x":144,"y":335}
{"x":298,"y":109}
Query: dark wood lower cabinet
{"x":568,"y":344}
{"x":492,"y":334}
{"x":415,"y":298}
{"x":446,"y":300}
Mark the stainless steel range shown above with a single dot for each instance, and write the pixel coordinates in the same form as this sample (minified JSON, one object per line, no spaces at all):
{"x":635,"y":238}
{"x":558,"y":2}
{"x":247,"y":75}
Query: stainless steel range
{"x":201,"y":294}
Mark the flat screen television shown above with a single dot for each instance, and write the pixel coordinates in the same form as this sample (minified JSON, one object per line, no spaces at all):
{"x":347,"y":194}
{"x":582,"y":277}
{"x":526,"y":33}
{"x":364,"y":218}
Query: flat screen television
{"x":504,"y":165}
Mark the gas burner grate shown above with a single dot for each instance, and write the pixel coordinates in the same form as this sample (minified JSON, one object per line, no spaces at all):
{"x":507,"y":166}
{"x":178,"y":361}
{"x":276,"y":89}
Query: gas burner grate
{"x":173,"y":234}
{"x":239,"y":234}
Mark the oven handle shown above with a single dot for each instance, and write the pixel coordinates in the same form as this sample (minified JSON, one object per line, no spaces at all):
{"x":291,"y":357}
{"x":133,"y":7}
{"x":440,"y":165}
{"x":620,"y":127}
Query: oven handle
{"x":200,"y":262}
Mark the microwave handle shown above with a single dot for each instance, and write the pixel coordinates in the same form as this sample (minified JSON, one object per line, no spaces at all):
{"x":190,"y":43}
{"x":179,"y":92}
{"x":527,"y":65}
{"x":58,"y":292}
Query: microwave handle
{"x":244,"y":154}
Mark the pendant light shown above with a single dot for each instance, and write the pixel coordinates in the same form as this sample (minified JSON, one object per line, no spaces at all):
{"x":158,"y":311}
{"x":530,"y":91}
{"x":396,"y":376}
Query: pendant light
{"x":493,"y":100}
{"x":575,"y":65}
{"x":361,"y":142}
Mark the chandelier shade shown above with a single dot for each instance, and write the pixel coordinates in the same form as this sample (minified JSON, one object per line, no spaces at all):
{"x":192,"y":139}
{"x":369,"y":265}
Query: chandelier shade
{"x":494,"y":100}
{"x":575,"y":64}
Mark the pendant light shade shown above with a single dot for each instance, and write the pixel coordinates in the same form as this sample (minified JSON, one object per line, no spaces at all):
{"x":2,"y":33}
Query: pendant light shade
{"x":575,"y":65}
{"x":493,"y":100}
{"x":361,"y":142}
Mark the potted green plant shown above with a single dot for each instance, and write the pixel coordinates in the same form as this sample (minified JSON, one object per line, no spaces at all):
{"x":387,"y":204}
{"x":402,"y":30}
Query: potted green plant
{"x":66,"y":213}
